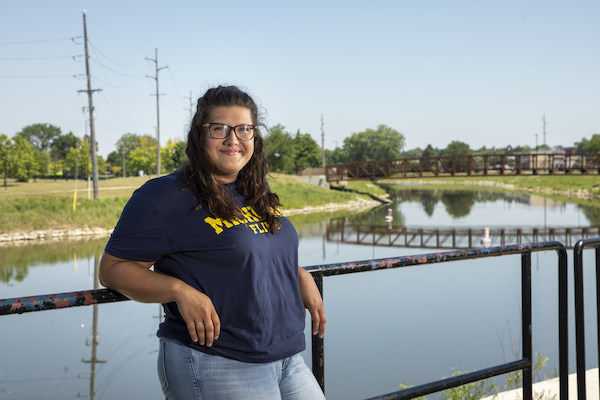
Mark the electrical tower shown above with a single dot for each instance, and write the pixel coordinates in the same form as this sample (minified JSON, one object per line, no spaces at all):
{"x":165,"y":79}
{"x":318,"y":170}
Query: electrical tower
{"x":155,"y":77}
{"x":89,"y":92}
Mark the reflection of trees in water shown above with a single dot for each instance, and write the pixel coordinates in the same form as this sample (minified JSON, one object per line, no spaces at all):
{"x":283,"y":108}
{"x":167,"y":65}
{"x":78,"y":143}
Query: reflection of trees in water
{"x":428,"y":201}
{"x":458,"y":204}
{"x":16,"y":260}
{"x":591,"y":213}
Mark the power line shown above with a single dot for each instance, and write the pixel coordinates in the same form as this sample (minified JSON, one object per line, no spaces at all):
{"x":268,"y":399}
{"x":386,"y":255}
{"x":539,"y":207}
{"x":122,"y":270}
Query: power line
{"x":33,"y":58}
{"x":38,"y":41}
{"x":36,"y":76}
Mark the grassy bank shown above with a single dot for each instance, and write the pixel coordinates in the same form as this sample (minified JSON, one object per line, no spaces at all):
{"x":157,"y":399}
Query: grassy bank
{"x":577,"y":185}
{"x":48,"y":204}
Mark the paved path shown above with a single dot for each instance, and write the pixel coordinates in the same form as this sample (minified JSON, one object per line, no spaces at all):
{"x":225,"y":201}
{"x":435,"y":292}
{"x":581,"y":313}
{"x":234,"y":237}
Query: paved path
{"x":550,"y":388}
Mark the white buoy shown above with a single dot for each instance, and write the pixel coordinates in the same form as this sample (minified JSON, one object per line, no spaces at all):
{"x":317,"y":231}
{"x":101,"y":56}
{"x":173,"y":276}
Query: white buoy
{"x":485,"y":240}
{"x":389,"y":217}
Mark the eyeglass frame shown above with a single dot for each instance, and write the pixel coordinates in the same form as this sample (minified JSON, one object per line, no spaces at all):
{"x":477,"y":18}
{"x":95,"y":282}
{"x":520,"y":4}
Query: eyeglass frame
{"x":231,"y":128}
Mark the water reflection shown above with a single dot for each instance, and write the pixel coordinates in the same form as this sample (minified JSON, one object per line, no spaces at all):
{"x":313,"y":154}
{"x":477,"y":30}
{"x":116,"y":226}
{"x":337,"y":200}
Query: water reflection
{"x":422,"y":322}
{"x":17,"y":260}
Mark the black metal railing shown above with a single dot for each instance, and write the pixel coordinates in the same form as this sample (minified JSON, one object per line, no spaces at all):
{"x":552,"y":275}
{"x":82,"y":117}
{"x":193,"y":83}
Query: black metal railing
{"x":524,"y":364}
{"x":98,"y":296}
{"x":579,"y":312}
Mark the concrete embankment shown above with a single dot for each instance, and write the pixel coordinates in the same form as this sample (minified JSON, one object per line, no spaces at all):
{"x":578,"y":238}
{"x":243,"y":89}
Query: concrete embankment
{"x":549,"y":389}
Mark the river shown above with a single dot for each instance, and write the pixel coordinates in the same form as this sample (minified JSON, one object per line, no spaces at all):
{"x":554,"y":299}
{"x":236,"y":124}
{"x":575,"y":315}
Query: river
{"x":385,"y":328}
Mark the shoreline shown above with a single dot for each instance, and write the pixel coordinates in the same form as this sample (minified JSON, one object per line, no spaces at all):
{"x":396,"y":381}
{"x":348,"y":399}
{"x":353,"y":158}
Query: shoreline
{"x":19,"y":238}
{"x":578,"y":193}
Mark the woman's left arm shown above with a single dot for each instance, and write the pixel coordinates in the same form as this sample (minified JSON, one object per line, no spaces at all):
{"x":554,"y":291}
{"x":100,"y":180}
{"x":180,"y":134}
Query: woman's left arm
{"x":312,"y":301}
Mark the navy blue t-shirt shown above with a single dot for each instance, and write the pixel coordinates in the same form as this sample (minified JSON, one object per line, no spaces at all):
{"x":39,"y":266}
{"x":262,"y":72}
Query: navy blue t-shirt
{"x":250,"y":274}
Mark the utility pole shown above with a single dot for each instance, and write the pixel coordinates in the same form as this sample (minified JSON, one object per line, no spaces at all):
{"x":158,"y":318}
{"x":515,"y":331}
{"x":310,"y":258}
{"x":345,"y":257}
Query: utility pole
{"x":155,"y":77}
{"x":191,"y":107}
{"x":544,"y":128}
{"x":89,"y":92}
{"x":322,"y":143}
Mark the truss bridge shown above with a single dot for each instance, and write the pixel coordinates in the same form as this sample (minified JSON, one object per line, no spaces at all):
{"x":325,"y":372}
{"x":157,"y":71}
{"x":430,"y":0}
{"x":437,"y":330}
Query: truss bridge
{"x":527,"y":164}
{"x":452,"y":238}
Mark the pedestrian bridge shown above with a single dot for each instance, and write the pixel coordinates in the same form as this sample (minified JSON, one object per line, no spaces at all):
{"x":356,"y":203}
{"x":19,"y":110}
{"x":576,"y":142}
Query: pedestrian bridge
{"x":339,"y":231}
{"x":525,"y":164}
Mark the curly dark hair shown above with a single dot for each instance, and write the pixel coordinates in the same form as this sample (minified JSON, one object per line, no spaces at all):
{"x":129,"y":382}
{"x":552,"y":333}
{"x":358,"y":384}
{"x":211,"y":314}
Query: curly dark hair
{"x":199,"y":176}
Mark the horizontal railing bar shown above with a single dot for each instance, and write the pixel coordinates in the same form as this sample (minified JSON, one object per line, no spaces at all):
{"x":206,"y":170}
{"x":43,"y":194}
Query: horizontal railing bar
{"x":20,"y":305}
{"x":430,"y":258}
{"x":455,"y":381}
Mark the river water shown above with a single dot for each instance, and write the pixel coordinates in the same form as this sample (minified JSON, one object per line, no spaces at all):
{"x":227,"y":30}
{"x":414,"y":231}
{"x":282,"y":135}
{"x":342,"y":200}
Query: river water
{"x":386,"y":328}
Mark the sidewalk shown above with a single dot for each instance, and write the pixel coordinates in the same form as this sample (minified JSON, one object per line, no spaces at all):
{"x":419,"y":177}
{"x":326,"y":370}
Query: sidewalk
{"x":550,"y":388}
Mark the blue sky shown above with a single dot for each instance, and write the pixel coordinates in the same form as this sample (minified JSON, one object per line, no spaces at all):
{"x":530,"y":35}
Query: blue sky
{"x":482,"y":72}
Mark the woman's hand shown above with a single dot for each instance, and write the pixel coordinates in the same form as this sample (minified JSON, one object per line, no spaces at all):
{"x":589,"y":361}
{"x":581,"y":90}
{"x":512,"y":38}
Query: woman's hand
{"x":200,"y":316}
{"x":311,"y":298}
{"x":135,"y":280}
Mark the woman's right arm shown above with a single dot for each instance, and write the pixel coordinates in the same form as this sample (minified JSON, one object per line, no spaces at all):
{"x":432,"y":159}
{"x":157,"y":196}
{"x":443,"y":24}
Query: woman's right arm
{"x":137,"y":281}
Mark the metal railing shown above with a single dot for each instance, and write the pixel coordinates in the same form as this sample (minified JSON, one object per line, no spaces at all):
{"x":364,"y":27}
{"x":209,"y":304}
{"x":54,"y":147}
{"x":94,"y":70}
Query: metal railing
{"x":579,"y":313}
{"x":525,"y":164}
{"x":98,"y":296}
{"x":524,"y":364}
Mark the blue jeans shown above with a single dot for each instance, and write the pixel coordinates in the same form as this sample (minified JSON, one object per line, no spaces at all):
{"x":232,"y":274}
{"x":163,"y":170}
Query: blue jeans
{"x":187,"y":374}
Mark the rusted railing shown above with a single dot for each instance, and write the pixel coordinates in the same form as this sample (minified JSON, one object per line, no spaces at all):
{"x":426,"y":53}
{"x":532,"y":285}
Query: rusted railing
{"x":466,"y":165}
{"x":98,"y":296}
{"x":579,"y":314}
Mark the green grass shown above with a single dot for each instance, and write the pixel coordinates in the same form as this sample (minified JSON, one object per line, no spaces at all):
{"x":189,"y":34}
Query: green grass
{"x":48,"y":204}
{"x":563,"y":183}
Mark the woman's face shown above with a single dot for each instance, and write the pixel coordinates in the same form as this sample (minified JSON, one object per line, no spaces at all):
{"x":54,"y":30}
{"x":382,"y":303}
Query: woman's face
{"x":229,"y":155}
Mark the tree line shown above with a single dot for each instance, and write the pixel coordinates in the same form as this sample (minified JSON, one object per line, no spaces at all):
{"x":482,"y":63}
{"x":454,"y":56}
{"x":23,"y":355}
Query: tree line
{"x":42,"y":150}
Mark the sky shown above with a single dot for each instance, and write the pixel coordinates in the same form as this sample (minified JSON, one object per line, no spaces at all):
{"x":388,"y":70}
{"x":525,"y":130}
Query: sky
{"x":487,"y":73}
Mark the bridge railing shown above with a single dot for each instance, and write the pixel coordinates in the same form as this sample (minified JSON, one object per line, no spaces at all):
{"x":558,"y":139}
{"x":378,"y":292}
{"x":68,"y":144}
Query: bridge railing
{"x":98,"y":296}
{"x":466,"y":165}
{"x":580,"y":246}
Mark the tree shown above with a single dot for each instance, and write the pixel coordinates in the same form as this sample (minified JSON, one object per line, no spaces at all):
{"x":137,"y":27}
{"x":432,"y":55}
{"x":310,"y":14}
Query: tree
{"x":307,"y":151}
{"x":588,"y":146}
{"x":40,"y":135}
{"x":125,"y":145}
{"x":79,"y":159}
{"x":21,"y":159}
{"x":61,"y":145}
{"x":143,"y":158}
{"x":456,"y":148}
{"x":4,"y":149}
{"x":280,"y":150}
{"x":381,"y":143}
{"x":173,"y":155}
{"x":335,"y":156}
{"x":429,"y":151}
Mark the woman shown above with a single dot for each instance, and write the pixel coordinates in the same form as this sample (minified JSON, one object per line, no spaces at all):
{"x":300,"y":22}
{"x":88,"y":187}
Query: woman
{"x":225,"y":265}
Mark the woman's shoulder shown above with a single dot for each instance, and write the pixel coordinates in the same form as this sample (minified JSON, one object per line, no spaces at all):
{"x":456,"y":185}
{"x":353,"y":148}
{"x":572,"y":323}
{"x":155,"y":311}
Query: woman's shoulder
{"x":160,"y":184}
{"x":164,"y":189}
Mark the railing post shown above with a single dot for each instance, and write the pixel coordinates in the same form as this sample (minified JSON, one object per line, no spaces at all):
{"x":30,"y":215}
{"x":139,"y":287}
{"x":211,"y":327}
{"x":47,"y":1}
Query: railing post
{"x":526,"y":324}
{"x":563,"y":325}
{"x":598,"y":303}
{"x":318,"y":348}
{"x":579,"y":316}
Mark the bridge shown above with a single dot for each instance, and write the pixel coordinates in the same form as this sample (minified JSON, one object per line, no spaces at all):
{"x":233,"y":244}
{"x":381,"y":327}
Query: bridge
{"x":450,"y":238}
{"x":527,"y":164}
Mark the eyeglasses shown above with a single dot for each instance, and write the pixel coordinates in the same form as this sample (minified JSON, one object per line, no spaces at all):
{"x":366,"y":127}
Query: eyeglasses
{"x":243,"y":132}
